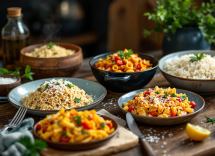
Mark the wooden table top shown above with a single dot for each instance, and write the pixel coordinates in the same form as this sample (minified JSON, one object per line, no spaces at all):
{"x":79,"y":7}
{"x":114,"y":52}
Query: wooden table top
{"x":174,"y":142}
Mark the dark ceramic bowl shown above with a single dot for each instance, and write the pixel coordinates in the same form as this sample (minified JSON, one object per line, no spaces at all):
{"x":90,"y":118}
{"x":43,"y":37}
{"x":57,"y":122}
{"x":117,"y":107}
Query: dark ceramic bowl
{"x":200,"y":103}
{"x":6,"y":88}
{"x":80,"y":146}
{"x":124,"y":82}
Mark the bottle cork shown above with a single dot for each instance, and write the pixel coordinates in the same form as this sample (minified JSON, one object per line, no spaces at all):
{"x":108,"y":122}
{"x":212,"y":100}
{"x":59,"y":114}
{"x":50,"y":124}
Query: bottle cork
{"x":14,"y":11}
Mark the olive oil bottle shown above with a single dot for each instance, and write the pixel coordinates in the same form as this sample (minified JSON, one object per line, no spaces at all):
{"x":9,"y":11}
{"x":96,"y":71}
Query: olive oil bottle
{"x":15,"y":36}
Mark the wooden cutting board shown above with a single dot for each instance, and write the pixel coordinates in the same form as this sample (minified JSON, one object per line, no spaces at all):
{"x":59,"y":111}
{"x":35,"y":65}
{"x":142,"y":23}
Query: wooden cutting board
{"x":123,"y":140}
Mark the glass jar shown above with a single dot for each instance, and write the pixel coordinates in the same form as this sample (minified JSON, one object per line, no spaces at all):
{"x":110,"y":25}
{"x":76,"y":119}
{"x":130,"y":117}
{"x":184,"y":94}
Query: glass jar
{"x":15,"y":36}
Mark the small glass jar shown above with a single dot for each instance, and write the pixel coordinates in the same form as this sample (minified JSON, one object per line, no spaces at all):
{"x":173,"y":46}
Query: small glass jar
{"x":15,"y":36}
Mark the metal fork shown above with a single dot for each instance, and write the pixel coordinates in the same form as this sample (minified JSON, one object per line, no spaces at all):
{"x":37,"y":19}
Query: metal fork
{"x":16,"y":119}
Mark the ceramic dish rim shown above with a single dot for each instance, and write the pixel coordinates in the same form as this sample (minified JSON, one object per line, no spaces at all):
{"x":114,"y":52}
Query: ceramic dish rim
{"x":58,"y":58}
{"x":184,"y":52}
{"x":124,"y":72}
{"x":17,"y":81}
{"x":84,"y":143}
{"x":91,"y":104}
{"x":177,"y":117}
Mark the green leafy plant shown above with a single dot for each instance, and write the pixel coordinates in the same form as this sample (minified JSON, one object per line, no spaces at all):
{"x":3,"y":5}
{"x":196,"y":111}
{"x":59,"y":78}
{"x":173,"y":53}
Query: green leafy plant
{"x":28,"y":74}
{"x":32,"y":148}
{"x":175,"y":14}
{"x":197,"y":57}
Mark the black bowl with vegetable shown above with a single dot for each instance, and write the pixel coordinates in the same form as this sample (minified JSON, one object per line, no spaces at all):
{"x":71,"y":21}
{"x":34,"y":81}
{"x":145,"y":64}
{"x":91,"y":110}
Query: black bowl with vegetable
{"x":124,"y":82}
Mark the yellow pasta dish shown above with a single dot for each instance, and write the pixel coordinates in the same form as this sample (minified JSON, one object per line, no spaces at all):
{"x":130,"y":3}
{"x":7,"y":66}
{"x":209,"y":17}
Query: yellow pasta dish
{"x":160,"y":103}
{"x":123,"y":61}
{"x":50,"y":51}
{"x":72,"y":126}
{"x":57,"y":94}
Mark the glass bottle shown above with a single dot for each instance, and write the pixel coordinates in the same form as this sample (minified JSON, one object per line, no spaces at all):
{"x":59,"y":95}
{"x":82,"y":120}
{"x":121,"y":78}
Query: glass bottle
{"x":15,"y":36}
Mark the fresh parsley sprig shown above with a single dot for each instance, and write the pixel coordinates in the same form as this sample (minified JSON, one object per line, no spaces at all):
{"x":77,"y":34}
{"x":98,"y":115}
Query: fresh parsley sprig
{"x":126,"y":54}
{"x":77,"y":99}
{"x":32,"y":148}
{"x":197,"y":57}
{"x":210,"y":119}
{"x":28,"y":74}
{"x":174,"y":95}
{"x":165,"y":95}
{"x":50,"y":45}
{"x":183,"y":98}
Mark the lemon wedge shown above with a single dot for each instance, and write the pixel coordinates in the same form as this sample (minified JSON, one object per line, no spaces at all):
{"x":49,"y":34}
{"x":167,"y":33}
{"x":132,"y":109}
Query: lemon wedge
{"x":197,"y":133}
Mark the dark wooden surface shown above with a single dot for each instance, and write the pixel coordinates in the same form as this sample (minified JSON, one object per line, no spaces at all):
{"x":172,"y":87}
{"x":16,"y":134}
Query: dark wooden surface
{"x":175,"y":141}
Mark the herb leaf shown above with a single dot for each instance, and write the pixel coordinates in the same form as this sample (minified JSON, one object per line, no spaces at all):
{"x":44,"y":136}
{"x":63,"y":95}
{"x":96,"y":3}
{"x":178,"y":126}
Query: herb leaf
{"x":50,"y":45}
{"x":77,"y":100}
{"x":47,"y":85}
{"x":69,"y":85}
{"x":64,"y":134}
{"x":210,"y":119}
{"x":58,"y":83}
{"x":157,"y":92}
{"x":183,"y":98}
{"x":77,"y":119}
{"x":37,"y":107}
{"x":174,"y":95}
{"x":103,"y":124}
{"x":85,"y":132}
{"x":85,"y":103}
{"x":197,"y":57}
{"x":129,"y":53}
{"x":120,"y":53}
{"x":55,"y":53}
{"x":39,"y":89}
{"x":165,"y":95}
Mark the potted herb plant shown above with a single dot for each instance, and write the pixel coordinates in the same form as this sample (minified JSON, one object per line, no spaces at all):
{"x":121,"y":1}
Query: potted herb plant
{"x":186,"y":26}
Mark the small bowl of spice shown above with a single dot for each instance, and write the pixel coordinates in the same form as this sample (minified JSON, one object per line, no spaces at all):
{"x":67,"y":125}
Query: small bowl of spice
{"x":7,"y":83}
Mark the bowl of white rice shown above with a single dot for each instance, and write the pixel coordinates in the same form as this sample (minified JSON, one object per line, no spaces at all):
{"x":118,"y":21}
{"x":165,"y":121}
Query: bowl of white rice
{"x":197,"y":76}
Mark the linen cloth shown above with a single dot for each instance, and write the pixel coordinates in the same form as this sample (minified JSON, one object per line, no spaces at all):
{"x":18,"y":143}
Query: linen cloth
{"x":8,"y":139}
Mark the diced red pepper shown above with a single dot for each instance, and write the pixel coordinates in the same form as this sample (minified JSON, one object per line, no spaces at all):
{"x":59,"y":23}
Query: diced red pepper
{"x":131,"y":108}
{"x":135,"y":95}
{"x":64,"y":139}
{"x":148,"y":92}
{"x":193,"y":104}
{"x":38,"y":126}
{"x":137,"y":70}
{"x":117,"y":58}
{"x":119,"y":62}
{"x":90,"y":117}
{"x":179,"y":99}
{"x":86,"y":125}
{"x":110,"y":125}
{"x":139,"y":66}
{"x":45,"y":129}
{"x":154,"y":114}
{"x":173,"y":114}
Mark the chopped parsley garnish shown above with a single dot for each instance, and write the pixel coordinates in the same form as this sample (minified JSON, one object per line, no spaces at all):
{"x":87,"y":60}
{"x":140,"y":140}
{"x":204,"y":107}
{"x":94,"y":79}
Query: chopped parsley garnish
{"x":177,"y":109}
{"x":58,"y":123}
{"x":38,"y":55}
{"x":165,"y":94}
{"x":69,"y":85}
{"x":85,"y":132}
{"x":64,"y":134}
{"x":49,"y":119}
{"x":174,"y":95}
{"x":55,"y":53}
{"x":120,"y":53}
{"x":113,"y":63}
{"x":37,"y":107}
{"x":103,"y":124}
{"x":105,"y":58}
{"x":50,"y":45}
{"x":47,"y":85}
{"x":77,"y":99}
{"x":110,"y":56}
{"x":73,"y":127}
{"x":129,"y":53}
{"x":197,"y":57}
{"x":139,"y":61}
{"x":39,"y":89}
{"x":58,"y":83}
{"x":33,"y":50}
{"x":210,"y":119}
{"x":73,"y":83}
{"x":157,"y":92}
{"x":183,"y":98}
{"x":77,"y":119}
{"x":85,"y":103}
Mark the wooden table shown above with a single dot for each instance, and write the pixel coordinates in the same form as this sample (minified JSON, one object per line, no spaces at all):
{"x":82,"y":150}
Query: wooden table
{"x":175,"y":141}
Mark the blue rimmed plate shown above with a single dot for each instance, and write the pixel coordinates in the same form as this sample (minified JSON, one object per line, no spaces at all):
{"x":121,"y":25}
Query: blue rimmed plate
{"x":200,"y":103}
{"x":97,"y":91}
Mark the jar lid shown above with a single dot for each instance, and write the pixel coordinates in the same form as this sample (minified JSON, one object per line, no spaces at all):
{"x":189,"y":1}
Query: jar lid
{"x":14,"y":11}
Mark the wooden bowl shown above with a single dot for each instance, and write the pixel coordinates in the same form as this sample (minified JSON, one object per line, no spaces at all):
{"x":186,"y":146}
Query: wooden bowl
{"x":6,"y":88}
{"x":80,"y":146}
{"x":52,"y":67}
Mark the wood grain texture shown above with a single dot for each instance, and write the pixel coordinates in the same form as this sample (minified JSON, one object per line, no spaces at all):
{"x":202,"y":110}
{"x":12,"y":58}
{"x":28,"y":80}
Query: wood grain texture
{"x":177,"y":143}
